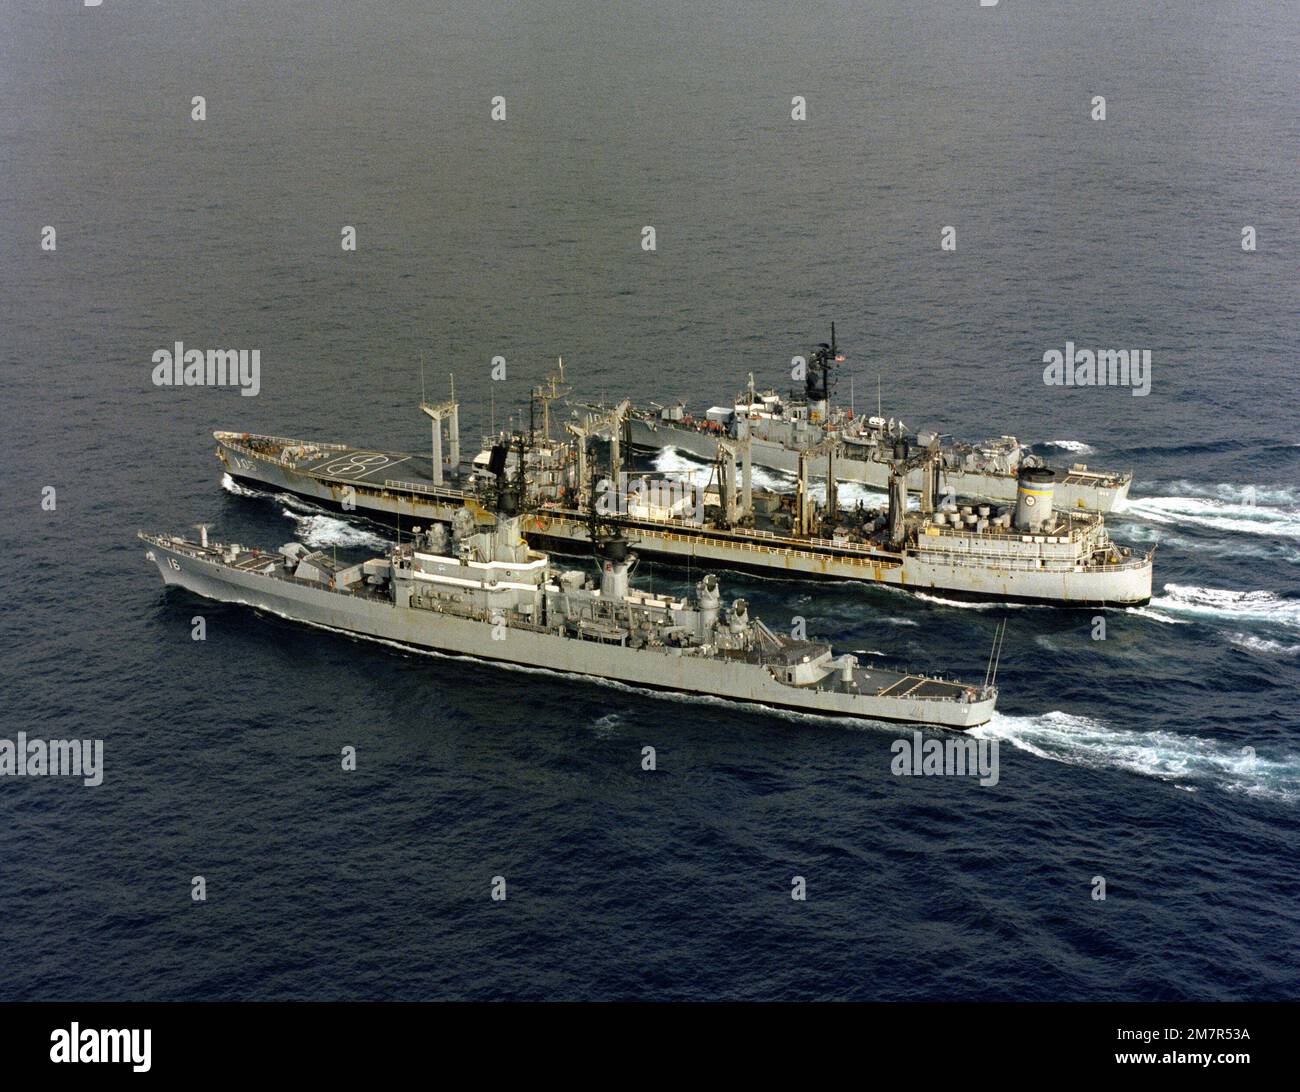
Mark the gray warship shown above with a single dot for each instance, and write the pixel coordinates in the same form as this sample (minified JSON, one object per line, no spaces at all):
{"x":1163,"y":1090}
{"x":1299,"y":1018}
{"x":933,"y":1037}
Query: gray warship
{"x":480,"y":591}
{"x":1028,"y":550}
{"x":780,"y":429}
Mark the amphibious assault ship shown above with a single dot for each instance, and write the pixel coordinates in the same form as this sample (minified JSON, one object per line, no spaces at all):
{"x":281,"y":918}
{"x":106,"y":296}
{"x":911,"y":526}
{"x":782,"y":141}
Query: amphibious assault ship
{"x":780,"y":429}
{"x":481,"y":592}
{"x":1029,"y":551}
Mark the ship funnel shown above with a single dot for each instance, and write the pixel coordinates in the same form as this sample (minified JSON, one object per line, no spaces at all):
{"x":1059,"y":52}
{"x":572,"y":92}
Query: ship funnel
{"x":203,"y":532}
{"x":1034,"y":492}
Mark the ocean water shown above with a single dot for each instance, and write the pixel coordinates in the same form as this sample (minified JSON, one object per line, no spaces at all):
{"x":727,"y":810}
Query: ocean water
{"x":1165,"y":758}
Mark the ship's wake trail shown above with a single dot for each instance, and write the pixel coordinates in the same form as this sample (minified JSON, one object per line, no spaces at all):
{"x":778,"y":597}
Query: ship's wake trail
{"x":1187,"y":602}
{"x":1226,"y":507}
{"x":1192,"y":762}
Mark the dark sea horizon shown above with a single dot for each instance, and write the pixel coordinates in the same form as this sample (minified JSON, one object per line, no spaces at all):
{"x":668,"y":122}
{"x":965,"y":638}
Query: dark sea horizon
{"x":1164,"y":759}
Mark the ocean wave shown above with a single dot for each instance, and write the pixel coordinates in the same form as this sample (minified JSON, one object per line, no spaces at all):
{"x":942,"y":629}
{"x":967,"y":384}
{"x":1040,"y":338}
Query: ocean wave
{"x":1263,"y":645}
{"x":1190,"y":761}
{"x":1254,"y":510}
{"x":1232,"y":546}
{"x":320,"y":530}
{"x":238,"y":489}
{"x":1222,"y":603}
{"x":1232,"y":492}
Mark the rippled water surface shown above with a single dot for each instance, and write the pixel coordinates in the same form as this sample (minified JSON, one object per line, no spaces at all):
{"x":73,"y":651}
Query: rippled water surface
{"x":1165,"y":758}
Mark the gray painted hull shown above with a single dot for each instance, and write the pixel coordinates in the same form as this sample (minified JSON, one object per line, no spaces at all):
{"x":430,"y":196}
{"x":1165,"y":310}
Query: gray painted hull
{"x":378,"y":619}
{"x":943,"y":576}
{"x":654,"y":435}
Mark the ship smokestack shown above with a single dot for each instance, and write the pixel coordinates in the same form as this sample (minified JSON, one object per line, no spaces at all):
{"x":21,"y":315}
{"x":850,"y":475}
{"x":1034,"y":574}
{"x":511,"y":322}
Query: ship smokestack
{"x":614,"y":560}
{"x":1034,"y":492}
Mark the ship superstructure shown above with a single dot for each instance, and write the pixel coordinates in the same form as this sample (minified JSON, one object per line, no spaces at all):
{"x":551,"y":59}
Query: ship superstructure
{"x":477,"y":589}
{"x":780,"y":427}
{"x":976,"y":550}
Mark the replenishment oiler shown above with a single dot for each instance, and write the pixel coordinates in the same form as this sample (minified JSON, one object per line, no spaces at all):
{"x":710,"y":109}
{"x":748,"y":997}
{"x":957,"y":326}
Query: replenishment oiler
{"x":481,"y":592}
{"x":1027,"y":551}
{"x":780,"y":428}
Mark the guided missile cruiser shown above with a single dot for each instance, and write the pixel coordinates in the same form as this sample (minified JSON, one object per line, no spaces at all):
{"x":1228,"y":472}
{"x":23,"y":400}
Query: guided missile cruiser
{"x":478,"y":590}
{"x":779,"y":428}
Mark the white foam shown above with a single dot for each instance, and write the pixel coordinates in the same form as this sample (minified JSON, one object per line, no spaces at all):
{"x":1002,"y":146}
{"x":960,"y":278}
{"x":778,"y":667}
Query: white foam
{"x":964,"y":604}
{"x":1253,"y":510}
{"x":320,"y":530}
{"x":1222,"y":603}
{"x":1156,"y":616}
{"x":238,"y":489}
{"x":1169,"y":756}
{"x":1077,"y":447}
{"x":1263,"y":645}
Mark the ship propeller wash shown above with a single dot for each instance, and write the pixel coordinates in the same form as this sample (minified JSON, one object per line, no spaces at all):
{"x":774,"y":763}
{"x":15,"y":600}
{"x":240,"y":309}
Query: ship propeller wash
{"x":479,"y":590}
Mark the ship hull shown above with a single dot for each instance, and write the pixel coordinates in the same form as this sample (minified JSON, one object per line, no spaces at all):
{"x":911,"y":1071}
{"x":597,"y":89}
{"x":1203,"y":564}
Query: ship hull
{"x":379,"y":619}
{"x":1071,"y":492}
{"x":907,"y":570}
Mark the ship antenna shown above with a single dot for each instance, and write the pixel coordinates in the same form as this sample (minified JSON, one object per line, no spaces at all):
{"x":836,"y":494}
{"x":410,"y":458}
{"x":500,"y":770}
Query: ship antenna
{"x":422,"y":397}
{"x":995,"y":655}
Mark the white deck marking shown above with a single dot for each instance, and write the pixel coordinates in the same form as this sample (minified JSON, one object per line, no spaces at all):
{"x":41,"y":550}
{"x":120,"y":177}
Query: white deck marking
{"x":359,"y":464}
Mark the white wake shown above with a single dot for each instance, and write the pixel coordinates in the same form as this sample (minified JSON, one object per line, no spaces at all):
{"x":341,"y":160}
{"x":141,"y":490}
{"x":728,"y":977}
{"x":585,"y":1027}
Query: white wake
{"x":1193,"y":762}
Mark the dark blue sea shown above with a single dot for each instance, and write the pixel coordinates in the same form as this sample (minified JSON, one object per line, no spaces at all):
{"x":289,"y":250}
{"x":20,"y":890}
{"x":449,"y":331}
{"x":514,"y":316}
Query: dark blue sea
{"x":1165,"y":758}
